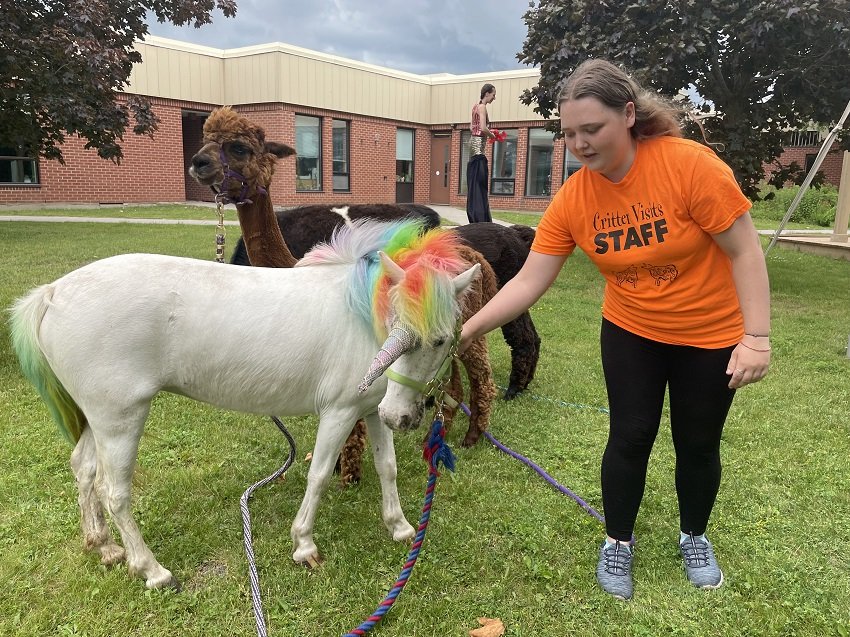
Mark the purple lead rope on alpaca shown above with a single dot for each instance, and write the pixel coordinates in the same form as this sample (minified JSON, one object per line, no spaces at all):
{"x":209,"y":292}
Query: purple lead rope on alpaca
{"x":545,"y":476}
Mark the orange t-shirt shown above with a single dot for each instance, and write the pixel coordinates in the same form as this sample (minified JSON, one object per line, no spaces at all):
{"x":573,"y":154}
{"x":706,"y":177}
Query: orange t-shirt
{"x":650,"y":237}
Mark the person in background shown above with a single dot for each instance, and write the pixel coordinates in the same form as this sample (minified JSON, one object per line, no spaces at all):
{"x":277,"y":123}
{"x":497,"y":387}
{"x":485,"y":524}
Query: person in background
{"x":477,"y":173}
{"x":686,"y":307}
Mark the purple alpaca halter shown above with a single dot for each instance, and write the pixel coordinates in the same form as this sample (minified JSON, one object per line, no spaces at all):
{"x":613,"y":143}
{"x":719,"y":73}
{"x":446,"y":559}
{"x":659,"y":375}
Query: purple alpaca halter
{"x":232,"y":174}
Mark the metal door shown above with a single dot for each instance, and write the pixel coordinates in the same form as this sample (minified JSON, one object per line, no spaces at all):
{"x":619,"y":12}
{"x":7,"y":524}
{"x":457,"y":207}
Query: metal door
{"x":441,"y":152}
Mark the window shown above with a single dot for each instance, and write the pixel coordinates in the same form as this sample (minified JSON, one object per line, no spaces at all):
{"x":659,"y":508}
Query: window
{"x":341,"y":137}
{"x":465,"y":136}
{"x":17,"y":166}
{"x":538,"y":176}
{"x":308,"y":146}
{"x":504,"y":165}
{"x":810,"y":161}
{"x":404,"y":155}
{"x":571,"y":164}
{"x":803,"y":138}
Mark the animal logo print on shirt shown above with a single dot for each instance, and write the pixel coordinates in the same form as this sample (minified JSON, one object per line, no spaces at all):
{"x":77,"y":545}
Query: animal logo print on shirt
{"x":658,"y":272}
{"x":629,"y":275}
{"x":661,"y":272}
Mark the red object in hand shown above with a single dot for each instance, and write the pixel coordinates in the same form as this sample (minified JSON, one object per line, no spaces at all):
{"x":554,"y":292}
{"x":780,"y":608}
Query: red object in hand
{"x":500,"y":135}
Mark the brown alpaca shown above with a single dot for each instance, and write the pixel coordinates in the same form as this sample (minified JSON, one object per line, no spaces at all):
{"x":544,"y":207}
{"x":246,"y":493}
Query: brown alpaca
{"x":237,"y":159}
{"x":475,"y":359}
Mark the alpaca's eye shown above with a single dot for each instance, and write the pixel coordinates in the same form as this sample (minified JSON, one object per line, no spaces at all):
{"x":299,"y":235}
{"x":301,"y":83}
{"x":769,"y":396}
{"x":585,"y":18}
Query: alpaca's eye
{"x":240,"y":150}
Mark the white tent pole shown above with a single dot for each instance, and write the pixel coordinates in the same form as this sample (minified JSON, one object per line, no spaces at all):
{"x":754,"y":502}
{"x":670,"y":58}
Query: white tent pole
{"x":824,"y":149}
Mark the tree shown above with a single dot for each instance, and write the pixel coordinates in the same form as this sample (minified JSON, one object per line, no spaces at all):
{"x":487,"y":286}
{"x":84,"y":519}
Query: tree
{"x":763,"y":67}
{"x":63,"y":63}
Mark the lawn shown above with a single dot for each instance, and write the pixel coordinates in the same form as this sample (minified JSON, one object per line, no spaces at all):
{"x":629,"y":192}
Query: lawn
{"x":501,"y":542}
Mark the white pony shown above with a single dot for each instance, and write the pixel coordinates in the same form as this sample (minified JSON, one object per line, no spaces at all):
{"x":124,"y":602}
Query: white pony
{"x":102,"y":341}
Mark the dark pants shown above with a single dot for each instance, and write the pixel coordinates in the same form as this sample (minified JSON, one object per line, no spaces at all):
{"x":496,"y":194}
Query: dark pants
{"x":637,"y":373}
{"x":477,"y":174}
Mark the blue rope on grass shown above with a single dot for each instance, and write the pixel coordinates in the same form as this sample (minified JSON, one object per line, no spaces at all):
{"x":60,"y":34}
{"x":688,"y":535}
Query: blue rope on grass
{"x":435,"y":451}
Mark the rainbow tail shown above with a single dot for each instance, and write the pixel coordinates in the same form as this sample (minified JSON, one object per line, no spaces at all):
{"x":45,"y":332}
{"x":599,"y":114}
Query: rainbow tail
{"x":26,"y":316}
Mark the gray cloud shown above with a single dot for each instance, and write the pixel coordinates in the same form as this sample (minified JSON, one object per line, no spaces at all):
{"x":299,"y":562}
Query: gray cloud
{"x":417,"y":36}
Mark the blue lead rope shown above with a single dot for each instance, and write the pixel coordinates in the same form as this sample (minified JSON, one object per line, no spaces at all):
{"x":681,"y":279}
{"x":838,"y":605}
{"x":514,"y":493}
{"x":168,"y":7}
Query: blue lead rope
{"x":435,"y":451}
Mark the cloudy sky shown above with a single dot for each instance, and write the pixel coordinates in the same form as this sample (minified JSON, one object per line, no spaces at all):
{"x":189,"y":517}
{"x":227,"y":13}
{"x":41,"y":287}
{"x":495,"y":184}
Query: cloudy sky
{"x":417,"y":36}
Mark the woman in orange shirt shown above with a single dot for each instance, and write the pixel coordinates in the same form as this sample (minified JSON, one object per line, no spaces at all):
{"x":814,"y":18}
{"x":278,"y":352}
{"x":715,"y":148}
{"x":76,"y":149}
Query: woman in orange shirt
{"x":477,"y":172}
{"x":686,"y":306}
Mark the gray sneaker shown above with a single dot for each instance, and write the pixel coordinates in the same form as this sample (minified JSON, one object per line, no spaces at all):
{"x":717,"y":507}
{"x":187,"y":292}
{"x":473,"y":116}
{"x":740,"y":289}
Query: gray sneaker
{"x":614,"y":570}
{"x":700,"y":563}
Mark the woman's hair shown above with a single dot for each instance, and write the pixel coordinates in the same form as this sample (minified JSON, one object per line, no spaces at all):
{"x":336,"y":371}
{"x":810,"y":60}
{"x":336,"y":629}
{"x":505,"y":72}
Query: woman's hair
{"x":654,"y":116}
{"x":487,"y":88}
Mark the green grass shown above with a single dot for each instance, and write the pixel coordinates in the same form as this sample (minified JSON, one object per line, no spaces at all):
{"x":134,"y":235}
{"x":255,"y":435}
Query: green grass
{"x":128,"y":211}
{"x":501,"y":543}
{"x":815,"y":212}
{"x":516,"y":216}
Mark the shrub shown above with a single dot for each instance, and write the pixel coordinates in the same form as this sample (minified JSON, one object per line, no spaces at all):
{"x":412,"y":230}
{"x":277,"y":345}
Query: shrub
{"x":817,"y":207}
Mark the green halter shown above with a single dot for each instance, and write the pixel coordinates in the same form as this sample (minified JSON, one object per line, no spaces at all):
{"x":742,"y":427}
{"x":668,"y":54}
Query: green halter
{"x":433,"y":387}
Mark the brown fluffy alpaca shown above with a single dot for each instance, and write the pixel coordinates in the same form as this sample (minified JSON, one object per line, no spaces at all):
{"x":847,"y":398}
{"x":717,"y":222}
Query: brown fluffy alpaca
{"x":475,"y":359}
{"x":237,"y":159}
{"x":249,"y":162}
{"x":506,"y":248}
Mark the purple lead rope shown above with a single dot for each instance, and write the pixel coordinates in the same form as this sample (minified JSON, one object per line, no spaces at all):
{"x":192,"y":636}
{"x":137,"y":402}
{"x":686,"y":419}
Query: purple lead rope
{"x":539,"y":470}
{"x":584,"y":505}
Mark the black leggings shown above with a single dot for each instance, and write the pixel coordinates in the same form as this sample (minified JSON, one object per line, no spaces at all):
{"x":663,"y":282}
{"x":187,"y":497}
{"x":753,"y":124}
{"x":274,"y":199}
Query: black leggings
{"x":637,"y":373}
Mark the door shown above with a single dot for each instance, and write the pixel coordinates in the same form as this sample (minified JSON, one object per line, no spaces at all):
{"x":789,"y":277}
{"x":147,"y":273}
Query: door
{"x":441,"y":152}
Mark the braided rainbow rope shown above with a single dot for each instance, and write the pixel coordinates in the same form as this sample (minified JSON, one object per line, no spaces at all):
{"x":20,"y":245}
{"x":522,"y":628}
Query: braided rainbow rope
{"x":435,"y":451}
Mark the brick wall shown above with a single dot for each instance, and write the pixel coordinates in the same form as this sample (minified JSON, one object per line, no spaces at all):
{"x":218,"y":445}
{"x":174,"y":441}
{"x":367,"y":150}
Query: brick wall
{"x":371,"y":156}
{"x":155,"y":169}
{"x":831,"y":166}
{"x":151,"y":170}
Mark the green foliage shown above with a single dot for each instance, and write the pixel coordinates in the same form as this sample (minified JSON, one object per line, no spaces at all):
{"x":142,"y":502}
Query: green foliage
{"x":62,"y":64}
{"x":817,"y":207}
{"x":501,"y":542}
{"x":762,"y":67}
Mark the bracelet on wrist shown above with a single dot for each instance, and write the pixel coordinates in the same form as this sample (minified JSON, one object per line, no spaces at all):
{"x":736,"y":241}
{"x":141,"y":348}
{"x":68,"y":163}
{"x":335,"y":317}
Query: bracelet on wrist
{"x":757,"y":335}
{"x":753,"y":348}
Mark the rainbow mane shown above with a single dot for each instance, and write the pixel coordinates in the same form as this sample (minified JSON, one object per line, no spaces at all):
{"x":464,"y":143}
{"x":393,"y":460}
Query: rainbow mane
{"x":425,"y":300}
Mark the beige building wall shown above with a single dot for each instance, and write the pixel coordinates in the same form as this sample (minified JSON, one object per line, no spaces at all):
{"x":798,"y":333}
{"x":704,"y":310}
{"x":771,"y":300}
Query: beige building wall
{"x":287,"y":74}
{"x":178,"y":70}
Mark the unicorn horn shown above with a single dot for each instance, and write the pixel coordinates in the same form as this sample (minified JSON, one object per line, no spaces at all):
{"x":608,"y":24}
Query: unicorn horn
{"x":399,"y":341}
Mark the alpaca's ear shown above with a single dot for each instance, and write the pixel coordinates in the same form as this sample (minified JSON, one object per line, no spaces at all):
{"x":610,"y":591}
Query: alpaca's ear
{"x":279,"y":150}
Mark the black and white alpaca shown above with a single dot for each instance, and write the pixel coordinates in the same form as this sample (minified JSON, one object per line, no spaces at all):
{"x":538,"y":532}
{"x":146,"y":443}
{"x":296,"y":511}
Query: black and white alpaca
{"x":305,"y":226}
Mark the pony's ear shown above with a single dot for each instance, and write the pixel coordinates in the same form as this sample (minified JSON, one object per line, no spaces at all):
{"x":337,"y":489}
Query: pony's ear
{"x":463,"y":280}
{"x":279,"y":150}
{"x":393,"y":269}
